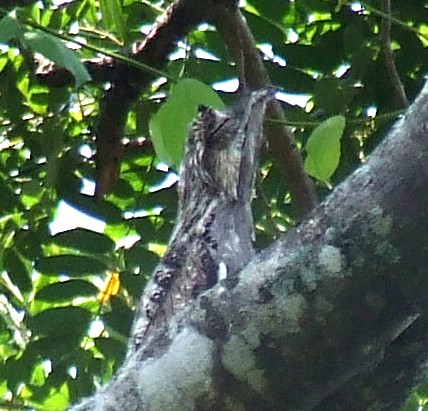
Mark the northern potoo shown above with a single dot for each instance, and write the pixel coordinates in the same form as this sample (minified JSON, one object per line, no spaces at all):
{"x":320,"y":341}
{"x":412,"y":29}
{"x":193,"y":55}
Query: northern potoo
{"x":214,"y":230}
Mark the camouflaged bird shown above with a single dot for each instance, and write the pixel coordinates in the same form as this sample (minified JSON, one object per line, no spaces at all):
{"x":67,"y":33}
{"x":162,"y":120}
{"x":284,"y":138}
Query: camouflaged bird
{"x":213,"y":235}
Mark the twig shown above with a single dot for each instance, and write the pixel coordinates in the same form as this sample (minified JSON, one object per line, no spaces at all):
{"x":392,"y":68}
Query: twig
{"x":388,"y":55}
{"x":398,"y":22}
{"x":385,"y":117}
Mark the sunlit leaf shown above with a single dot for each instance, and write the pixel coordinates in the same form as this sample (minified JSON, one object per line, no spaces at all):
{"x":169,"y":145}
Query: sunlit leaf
{"x":323,"y":148}
{"x":55,"y":50}
{"x":112,"y":16}
{"x":169,"y":126}
{"x":66,"y":291}
{"x":59,"y":399}
{"x":272,"y":9}
{"x":85,"y":240}
{"x":110,"y":287}
{"x":70,"y":265}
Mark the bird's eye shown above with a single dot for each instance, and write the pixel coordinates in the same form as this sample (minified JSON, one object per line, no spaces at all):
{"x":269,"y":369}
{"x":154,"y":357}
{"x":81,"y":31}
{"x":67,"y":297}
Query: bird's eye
{"x":219,"y":124}
{"x":202,"y":108}
{"x":211,"y":124}
{"x":211,"y":120}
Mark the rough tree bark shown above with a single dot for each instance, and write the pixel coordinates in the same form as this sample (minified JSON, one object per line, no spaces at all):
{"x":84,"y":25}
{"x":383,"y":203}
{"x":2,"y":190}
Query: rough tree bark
{"x":329,"y":317}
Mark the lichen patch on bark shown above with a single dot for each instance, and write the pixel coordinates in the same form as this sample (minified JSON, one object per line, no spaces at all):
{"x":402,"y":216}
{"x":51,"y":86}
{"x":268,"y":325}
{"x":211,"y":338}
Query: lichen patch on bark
{"x":189,"y":363}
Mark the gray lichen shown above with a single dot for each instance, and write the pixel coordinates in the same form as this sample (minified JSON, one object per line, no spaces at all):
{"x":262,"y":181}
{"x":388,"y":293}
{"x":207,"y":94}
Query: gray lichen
{"x":189,"y":364}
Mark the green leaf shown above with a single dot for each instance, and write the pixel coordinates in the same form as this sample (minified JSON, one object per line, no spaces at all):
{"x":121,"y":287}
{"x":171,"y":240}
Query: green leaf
{"x":60,"y":321}
{"x":272,"y":9}
{"x":85,"y":240}
{"x":17,"y":270}
{"x":8,"y":199}
{"x":111,"y":348}
{"x":53,"y":346}
{"x":102,"y":210}
{"x":332,"y":96}
{"x":66,"y":291}
{"x":9,"y":29}
{"x":112,"y":16}
{"x":169,"y":126}
{"x":134,"y":283}
{"x":70,"y":265}
{"x":58,"y":399}
{"x":55,"y":50}
{"x":323,"y":148}
{"x":120,"y":318}
{"x":138,"y":255}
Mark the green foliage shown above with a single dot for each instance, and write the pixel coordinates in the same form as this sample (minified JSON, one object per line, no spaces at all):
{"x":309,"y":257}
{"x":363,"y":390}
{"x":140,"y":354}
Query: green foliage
{"x":113,"y":18}
{"x":69,"y":264}
{"x":55,"y":50}
{"x":9,"y":29}
{"x":66,"y":291}
{"x":58,"y":337}
{"x":85,"y":241}
{"x":323,"y":148}
{"x":46,"y":44}
{"x":169,"y":126}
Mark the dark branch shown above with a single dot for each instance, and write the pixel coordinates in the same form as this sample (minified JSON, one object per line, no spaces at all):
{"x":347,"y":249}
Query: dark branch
{"x":388,"y":385}
{"x":238,"y":37}
{"x":127,"y":83}
{"x":153,"y":51}
{"x":388,"y":56}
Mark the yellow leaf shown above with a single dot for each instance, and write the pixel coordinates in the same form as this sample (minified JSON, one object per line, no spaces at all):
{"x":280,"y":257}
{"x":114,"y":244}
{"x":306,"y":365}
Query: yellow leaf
{"x":110,"y":287}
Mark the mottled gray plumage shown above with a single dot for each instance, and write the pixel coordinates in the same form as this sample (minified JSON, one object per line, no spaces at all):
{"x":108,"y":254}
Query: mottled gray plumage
{"x":214,"y":228}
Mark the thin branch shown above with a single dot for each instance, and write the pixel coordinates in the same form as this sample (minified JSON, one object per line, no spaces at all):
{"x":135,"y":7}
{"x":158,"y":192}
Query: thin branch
{"x":360,"y":121}
{"x":398,"y":22}
{"x":388,"y":55}
{"x":238,"y":38}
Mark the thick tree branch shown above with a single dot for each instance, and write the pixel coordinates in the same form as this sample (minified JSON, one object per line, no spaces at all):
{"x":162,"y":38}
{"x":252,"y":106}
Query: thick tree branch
{"x":329,"y":304}
{"x":238,"y":38}
{"x":388,"y":385}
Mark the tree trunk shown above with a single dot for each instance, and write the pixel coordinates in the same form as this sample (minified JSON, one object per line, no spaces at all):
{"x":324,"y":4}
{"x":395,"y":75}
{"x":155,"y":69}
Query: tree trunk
{"x":329,"y":317}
